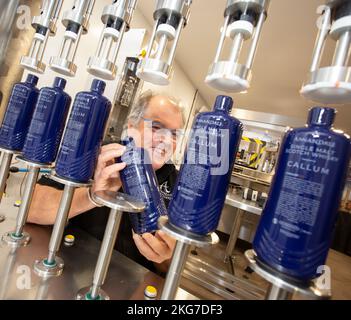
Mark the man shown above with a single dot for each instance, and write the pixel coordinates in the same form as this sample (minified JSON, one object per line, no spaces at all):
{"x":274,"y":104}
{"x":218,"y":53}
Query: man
{"x":154,"y":123}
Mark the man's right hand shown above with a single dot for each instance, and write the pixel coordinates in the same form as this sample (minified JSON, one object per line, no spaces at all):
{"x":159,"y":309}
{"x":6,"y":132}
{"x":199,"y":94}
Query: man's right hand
{"x":106,"y":175}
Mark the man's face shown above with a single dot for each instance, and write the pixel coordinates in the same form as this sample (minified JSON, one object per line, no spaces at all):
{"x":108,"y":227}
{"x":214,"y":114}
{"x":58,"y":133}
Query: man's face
{"x":158,"y":131}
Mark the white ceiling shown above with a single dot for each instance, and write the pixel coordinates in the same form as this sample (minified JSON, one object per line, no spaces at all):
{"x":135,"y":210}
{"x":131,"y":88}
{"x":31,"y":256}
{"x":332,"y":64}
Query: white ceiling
{"x":281,"y":64}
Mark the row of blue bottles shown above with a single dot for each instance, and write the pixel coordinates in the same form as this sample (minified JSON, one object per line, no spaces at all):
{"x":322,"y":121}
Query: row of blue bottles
{"x":202,"y":184}
{"x":47,"y":125}
{"x":18,"y":114}
{"x":296,"y":227}
{"x":139,"y":180}
{"x":85,"y":129}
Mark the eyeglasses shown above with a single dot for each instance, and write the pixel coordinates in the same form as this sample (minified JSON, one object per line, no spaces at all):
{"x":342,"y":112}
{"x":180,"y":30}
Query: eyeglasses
{"x":158,"y":126}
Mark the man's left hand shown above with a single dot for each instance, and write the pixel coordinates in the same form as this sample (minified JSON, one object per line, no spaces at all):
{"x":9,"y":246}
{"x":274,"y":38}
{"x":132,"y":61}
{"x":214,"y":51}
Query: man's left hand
{"x":157,"y":248}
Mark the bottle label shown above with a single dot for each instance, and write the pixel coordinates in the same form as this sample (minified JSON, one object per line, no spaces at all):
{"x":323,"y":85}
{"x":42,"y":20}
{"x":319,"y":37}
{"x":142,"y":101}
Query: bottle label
{"x":78,"y":120}
{"x":308,"y":166}
{"x":42,"y":113}
{"x":17,"y":101}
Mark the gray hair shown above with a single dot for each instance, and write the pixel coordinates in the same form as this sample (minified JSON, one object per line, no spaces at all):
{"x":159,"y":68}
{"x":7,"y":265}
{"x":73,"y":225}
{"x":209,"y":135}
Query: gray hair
{"x":142,"y":103}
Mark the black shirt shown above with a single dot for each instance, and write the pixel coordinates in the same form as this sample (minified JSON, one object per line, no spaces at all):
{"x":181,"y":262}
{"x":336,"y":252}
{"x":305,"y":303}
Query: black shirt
{"x":94,"y":221}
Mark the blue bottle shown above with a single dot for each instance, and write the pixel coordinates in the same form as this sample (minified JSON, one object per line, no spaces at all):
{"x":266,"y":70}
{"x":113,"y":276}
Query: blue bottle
{"x":139,"y":180}
{"x":295,"y":231}
{"x":201,"y":188}
{"x":84,"y":133}
{"x":18,"y":114}
{"x":45,"y":131}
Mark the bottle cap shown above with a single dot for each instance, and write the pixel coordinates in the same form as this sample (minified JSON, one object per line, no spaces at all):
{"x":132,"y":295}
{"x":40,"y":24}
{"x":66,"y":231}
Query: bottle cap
{"x":32,"y":79}
{"x":60,"y":83}
{"x":98,"y":86}
{"x":224,"y":103}
{"x":69,"y":240}
{"x":321,"y":116}
{"x":150,"y":292}
{"x":128,"y":141}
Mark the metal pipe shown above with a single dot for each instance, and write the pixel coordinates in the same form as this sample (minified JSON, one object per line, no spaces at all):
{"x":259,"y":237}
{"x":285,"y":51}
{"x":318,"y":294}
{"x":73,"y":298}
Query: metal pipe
{"x":236,"y":48}
{"x":276,"y":293}
{"x":320,"y":43}
{"x":342,"y":52}
{"x":221,"y":41}
{"x":105,"y":253}
{"x":152,"y":40}
{"x":174,"y":274}
{"x":255,"y":39}
{"x":161,"y":47}
{"x":26,"y":200}
{"x":4,"y":171}
{"x":234,"y":234}
{"x":60,"y":223}
{"x":176,"y":40}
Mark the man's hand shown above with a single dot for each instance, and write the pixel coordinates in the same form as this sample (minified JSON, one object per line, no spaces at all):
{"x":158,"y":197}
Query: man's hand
{"x":106,"y":175}
{"x":158,"y":248}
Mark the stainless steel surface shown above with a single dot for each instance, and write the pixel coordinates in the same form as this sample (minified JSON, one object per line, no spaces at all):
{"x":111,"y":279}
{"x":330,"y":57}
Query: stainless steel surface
{"x":11,"y":240}
{"x":255,"y":39}
{"x":235,"y":200}
{"x":343,"y":50}
{"x":119,"y":201}
{"x":8,"y":11}
{"x":222,"y":39}
{"x":168,"y":6}
{"x":185,"y":236}
{"x":234,"y":234}
{"x":63,"y":66}
{"x":311,"y":291}
{"x":105,"y":254}
{"x":152,"y":70}
{"x":175,"y":270}
{"x":321,"y":38}
{"x":4,"y":170}
{"x":277,"y":293}
{"x":22,"y":216}
{"x":237,"y":45}
{"x":228,"y":68}
{"x":226,"y":285}
{"x":46,"y":270}
{"x":103,"y":64}
{"x":60,"y":222}
{"x":125,"y":279}
{"x":243,"y":5}
{"x":80,"y":13}
{"x":50,"y":10}
{"x":56,"y":178}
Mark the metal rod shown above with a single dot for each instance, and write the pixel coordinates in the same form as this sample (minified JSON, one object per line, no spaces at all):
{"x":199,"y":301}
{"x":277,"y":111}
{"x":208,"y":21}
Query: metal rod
{"x":255,"y":39}
{"x":26,"y":200}
{"x":234,"y":234}
{"x":119,"y":42}
{"x":4,"y":171}
{"x":60,"y":223}
{"x":176,"y":40}
{"x":161,"y":47}
{"x":152,"y":40}
{"x":320,"y":43}
{"x":106,"y":250}
{"x":276,"y":293}
{"x":342,"y":52}
{"x":236,"y":48}
{"x":174,"y":274}
{"x":221,"y":41}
